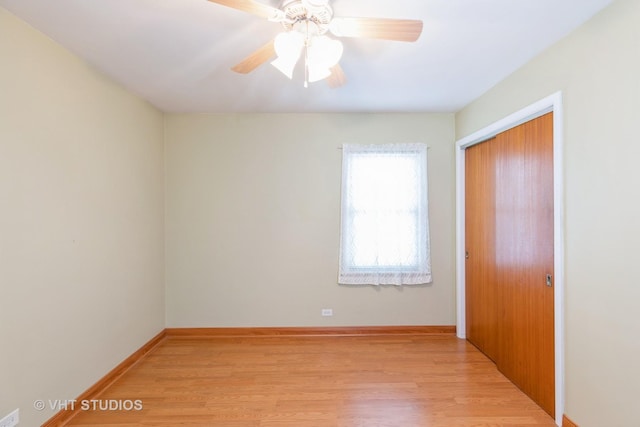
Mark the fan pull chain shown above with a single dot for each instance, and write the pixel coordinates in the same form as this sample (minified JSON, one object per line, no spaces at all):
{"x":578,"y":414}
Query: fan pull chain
{"x":306,"y":67}
{"x":306,"y":57}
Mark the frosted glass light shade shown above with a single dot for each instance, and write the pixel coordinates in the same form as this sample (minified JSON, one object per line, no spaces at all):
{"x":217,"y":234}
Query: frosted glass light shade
{"x":288,"y":47}
{"x":324,"y":52}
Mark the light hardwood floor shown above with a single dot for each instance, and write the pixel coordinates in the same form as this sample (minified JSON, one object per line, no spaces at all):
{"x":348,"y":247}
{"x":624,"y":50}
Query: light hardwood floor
{"x":348,"y":381}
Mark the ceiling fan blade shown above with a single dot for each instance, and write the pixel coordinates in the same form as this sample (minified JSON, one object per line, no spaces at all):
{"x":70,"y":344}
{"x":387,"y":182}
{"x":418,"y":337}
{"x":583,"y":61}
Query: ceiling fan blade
{"x":256,"y":59}
{"x":404,"y":30}
{"x":337,"y":77}
{"x":250,"y":6}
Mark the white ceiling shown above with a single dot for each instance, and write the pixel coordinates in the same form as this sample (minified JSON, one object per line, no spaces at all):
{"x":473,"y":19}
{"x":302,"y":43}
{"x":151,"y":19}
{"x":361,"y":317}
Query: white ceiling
{"x":177,"y":54}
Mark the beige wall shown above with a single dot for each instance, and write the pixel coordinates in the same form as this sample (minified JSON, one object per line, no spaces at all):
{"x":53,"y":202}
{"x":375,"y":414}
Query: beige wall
{"x":598,"y":70}
{"x":81,"y":223}
{"x":252,"y":220}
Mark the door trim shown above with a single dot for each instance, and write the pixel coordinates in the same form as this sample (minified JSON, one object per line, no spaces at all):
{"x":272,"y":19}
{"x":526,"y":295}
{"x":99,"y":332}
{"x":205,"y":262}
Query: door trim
{"x":537,"y":109}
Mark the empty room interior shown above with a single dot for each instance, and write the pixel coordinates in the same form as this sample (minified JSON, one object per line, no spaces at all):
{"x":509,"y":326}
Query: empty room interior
{"x":174,"y":214}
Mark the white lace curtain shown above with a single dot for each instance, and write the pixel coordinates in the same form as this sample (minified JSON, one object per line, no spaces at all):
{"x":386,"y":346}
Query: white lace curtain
{"x":384,"y":237}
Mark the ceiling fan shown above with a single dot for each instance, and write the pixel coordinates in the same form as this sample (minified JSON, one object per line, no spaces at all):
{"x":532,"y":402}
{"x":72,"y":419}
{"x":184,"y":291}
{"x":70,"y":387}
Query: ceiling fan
{"x":306,"y":23}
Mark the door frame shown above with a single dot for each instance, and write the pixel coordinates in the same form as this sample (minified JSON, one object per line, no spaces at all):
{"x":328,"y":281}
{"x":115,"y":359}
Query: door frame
{"x":537,"y":109}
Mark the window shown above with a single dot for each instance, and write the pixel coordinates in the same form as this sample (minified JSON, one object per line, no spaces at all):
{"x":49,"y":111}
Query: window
{"x":384,"y":237}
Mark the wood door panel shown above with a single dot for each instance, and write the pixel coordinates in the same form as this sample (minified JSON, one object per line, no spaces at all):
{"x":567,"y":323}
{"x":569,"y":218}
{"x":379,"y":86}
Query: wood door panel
{"x":524,"y":256}
{"x":481,"y":308}
{"x":509,"y":237}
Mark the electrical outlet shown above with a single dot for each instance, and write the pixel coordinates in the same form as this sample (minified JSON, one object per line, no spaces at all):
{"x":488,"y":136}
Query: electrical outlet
{"x":326,"y":312}
{"x":11,"y":420}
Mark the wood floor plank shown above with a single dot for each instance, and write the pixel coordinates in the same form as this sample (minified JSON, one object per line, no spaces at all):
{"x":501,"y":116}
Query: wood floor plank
{"x":344,"y":381}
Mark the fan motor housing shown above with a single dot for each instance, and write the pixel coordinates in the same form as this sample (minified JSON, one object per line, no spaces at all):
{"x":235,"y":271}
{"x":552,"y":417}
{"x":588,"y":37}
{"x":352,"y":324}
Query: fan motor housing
{"x":307,"y":16}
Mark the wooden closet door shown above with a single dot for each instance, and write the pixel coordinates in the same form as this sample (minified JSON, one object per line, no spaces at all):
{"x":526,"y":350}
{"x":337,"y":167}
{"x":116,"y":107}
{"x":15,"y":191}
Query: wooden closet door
{"x":509,"y":240}
{"x":481,"y":291}
{"x":524,"y":258}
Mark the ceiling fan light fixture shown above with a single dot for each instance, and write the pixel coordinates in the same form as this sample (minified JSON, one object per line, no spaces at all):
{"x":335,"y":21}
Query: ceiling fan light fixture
{"x":321,"y":54}
{"x":324,"y":52}
{"x":288,"y":46}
